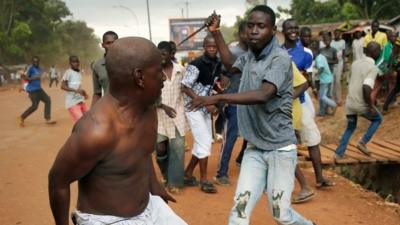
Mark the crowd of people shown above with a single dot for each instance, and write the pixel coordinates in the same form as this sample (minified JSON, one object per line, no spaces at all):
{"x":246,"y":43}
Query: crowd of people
{"x":264,"y":90}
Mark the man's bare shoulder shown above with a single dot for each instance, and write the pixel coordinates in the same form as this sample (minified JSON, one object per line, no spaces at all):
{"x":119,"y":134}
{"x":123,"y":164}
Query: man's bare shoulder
{"x":95,"y":130}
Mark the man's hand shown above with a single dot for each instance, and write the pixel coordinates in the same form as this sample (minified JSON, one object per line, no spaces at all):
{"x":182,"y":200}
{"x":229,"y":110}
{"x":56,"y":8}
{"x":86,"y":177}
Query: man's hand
{"x":169,"y":111}
{"x":213,"y":22}
{"x":159,"y":190}
{"x":24,"y":77}
{"x":201,"y":101}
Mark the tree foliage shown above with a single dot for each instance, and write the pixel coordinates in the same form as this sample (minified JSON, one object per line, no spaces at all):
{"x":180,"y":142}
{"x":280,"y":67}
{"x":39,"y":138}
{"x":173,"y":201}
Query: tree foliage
{"x":313,"y":11}
{"x":40,"y":27}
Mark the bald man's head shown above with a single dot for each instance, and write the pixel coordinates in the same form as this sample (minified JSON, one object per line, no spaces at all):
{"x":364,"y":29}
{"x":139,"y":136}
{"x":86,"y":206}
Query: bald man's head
{"x":373,"y":50}
{"x":134,"y":63}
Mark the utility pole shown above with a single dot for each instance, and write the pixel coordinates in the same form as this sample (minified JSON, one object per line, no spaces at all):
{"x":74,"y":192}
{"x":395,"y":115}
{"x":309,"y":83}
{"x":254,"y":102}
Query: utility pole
{"x":148,"y":19}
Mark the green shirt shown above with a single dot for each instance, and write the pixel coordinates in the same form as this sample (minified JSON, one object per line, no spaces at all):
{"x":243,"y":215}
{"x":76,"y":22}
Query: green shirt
{"x":100,"y":78}
{"x":383,"y":62}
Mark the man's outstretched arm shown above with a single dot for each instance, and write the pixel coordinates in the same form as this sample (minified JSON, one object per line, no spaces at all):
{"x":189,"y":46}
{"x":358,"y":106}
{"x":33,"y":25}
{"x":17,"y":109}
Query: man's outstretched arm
{"x":258,"y":96}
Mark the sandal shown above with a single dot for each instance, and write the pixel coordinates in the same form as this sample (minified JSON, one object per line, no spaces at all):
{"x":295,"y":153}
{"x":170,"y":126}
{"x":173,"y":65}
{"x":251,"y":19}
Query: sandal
{"x":190,"y":181}
{"x":303,"y":198}
{"x":208,"y":187}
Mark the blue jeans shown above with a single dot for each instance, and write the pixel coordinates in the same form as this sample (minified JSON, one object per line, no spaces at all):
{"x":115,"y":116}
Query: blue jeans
{"x":172,"y":162}
{"x":324,"y":100}
{"x":230,"y":135}
{"x":271,"y":172}
{"x":376,"y":120}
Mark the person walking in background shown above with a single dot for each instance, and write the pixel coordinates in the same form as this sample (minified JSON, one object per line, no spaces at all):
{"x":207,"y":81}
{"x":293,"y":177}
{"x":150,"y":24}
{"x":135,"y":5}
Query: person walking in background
{"x":325,"y":80}
{"x":53,"y":74}
{"x":75,"y":96}
{"x":36,"y":93}
{"x":359,"y":102}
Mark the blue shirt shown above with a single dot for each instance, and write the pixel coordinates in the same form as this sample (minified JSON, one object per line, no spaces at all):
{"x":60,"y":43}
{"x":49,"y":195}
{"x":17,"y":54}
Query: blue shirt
{"x":325,"y":77}
{"x":300,"y":57}
{"x":267,"y":126}
{"x":34,"y":85}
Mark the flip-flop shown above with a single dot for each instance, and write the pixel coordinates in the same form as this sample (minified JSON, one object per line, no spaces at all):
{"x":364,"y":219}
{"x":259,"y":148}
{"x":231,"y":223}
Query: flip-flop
{"x":325,"y":184}
{"x":208,"y":187}
{"x":304,"y":198}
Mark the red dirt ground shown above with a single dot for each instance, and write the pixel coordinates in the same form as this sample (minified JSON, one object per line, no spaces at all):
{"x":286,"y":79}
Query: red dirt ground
{"x":26,"y":155}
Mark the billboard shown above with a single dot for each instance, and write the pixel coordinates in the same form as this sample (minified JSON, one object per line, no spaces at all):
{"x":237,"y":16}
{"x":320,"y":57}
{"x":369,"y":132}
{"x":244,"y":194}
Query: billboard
{"x":179,"y":29}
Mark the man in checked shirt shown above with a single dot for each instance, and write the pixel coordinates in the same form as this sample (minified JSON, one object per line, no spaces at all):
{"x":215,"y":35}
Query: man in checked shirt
{"x":171,"y":122}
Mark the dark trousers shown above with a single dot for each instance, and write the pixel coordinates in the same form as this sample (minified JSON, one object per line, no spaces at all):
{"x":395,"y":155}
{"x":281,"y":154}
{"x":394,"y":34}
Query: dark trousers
{"x":392,"y":94}
{"x":230,"y":136}
{"x":220,"y":122}
{"x":53,"y":80}
{"x":36,"y":97}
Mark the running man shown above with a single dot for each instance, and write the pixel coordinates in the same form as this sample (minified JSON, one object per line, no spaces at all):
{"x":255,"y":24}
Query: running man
{"x":75,"y":96}
{"x":109,"y":150}
{"x":36,"y":93}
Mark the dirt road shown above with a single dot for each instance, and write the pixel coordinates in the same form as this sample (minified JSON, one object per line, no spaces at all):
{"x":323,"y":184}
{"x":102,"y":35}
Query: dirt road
{"x":26,"y":155}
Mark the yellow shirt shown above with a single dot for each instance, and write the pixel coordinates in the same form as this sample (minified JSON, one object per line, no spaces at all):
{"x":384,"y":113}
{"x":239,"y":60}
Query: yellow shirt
{"x":298,"y":79}
{"x":379,"y":38}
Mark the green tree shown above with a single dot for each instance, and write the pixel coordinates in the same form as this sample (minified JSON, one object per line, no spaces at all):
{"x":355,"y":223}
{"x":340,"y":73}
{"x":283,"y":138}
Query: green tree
{"x":376,"y":9}
{"x":39,"y":27}
{"x":312,"y":11}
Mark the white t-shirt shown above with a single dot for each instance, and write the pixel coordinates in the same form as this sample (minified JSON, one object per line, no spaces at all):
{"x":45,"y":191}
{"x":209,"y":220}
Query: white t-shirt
{"x":358,"y":48}
{"x":53,"y":73}
{"x":363,"y":72}
{"x":74,"y":80}
{"x":340,"y":46}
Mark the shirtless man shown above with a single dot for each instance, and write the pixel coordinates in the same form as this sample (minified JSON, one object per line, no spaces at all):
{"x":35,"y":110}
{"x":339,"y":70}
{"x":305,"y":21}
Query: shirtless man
{"x":109,"y":150}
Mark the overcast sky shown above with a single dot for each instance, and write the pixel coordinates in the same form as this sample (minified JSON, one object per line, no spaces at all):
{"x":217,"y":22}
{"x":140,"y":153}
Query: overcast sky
{"x":103,"y":15}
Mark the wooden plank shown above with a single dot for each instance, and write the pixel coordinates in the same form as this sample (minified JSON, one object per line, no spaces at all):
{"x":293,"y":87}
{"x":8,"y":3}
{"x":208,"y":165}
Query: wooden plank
{"x":353,"y":151}
{"x":330,"y":150}
{"x":392,"y":155}
{"x":393,"y":142}
{"x":387,"y":145}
